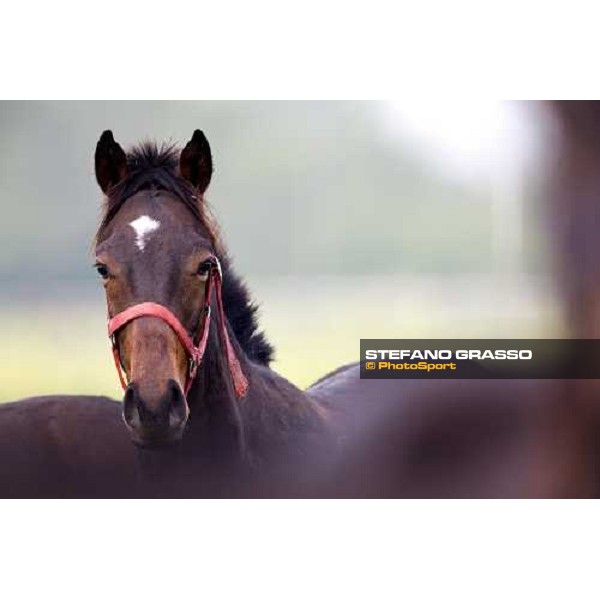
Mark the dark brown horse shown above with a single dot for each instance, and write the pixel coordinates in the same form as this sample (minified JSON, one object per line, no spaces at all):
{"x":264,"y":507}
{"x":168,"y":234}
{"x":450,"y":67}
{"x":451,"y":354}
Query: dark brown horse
{"x":155,"y":244}
{"x":185,"y":429}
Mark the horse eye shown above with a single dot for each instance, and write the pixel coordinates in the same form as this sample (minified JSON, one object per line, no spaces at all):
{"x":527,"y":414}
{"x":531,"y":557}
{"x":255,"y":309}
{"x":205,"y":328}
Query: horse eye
{"x":204,"y":268}
{"x":102,"y":270}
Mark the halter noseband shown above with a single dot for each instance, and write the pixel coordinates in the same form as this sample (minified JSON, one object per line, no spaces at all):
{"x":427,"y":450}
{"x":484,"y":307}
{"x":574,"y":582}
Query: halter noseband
{"x":195,"y":353}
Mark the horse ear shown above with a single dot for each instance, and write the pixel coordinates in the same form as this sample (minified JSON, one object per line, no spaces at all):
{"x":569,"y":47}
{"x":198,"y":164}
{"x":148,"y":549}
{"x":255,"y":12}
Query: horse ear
{"x":195,"y":163}
{"x":111,"y":162}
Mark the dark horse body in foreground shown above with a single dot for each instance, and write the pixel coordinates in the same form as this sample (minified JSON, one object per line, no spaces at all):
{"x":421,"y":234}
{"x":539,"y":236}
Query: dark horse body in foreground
{"x":341,"y":437}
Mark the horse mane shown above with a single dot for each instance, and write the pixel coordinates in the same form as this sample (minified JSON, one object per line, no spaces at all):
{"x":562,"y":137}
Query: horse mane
{"x":154,"y":167}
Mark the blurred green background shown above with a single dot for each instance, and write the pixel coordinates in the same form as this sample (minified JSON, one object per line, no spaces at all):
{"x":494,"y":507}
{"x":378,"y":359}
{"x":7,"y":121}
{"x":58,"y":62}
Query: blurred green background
{"x":347,"y":219}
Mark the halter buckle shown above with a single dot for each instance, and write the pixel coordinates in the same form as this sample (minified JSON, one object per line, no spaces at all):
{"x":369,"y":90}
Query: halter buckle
{"x":192,"y":365}
{"x":218,"y":268}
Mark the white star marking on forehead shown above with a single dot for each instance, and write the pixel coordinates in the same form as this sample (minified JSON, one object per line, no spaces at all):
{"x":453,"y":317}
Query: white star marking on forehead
{"x":143,"y":226}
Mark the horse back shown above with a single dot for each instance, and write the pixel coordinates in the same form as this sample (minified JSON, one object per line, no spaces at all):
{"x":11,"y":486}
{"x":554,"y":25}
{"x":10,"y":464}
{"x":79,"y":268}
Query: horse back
{"x":62,"y":446}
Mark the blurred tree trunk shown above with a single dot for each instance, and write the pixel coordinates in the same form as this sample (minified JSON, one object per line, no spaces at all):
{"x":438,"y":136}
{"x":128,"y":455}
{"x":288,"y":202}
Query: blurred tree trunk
{"x":576,"y":213}
{"x":574,"y":196}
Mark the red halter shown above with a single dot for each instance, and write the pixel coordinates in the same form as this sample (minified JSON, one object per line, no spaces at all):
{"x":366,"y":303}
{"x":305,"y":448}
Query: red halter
{"x":195,"y":353}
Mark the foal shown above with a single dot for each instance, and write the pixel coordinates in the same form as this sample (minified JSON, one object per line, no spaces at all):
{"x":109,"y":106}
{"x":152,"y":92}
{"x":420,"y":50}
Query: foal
{"x":190,"y":411}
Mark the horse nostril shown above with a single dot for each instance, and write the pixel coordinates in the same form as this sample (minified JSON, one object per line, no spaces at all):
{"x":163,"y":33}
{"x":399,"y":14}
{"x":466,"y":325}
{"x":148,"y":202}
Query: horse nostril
{"x":178,"y":410}
{"x":131,"y":408}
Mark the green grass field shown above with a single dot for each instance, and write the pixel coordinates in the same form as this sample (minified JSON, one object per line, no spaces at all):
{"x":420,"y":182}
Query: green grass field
{"x":315,"y":325}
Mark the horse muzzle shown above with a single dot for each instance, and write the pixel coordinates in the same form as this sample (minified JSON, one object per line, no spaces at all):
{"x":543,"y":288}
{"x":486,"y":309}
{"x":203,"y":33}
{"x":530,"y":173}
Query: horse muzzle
{"x":155,"y":419}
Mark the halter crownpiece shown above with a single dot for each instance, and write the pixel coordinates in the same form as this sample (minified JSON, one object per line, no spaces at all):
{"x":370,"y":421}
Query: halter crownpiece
{"x":194,"y":353}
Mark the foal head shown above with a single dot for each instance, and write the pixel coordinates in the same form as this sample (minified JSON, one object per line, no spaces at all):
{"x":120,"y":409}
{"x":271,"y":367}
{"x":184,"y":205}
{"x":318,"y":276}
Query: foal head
{"x":155,"y":244}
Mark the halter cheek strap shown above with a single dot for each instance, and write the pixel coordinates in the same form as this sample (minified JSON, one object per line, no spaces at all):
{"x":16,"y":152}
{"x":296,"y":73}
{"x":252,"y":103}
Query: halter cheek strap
{"x":195,"y":353}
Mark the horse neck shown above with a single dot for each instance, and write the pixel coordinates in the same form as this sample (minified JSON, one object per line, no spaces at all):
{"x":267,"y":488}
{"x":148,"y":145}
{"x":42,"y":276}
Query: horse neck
{"x":272,"y":419}
{"x":215,"y":418}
